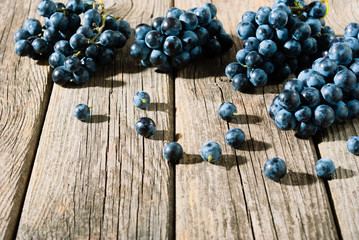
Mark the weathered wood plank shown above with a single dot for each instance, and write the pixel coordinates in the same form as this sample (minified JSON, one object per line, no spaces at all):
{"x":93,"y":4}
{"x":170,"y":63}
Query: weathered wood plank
{"x":233,"y":199}
{"x":24,"y":94}
{"x":331,"y":143}
{"x":101,"y":179}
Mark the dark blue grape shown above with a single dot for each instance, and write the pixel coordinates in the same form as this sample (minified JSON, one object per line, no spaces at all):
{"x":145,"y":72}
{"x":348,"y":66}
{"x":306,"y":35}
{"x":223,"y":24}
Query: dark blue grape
{"x":56,"y":59}
{"x":33,"y":26}
{"x":303,"y":114}
{"x":107,"y":55}
{"x":341,"y":111}
{"x":264,"y":32}
{"x":325,"y":67}
{"x":171,"y":26}
{"x":211,"y":152}
{"x":51,"y":35}
{"x":353,"y":43}
{"x":21,"y":35}
{"x":340,"y":53}
{"x":258,"y":77}
{"x":285,"y":120}
{"x":174,"y":12}
{"x":289,"y":99}
{"x":81,"y":76}
{"x":325,"y":168}
{"x":300,"y":31}
{"x":46,"y":8}
{"x":23,"y":48}
{"x":74,"y":21}
{"x":267,"y":48}
{"x":241,"y":56}
{"x":203,"y":35}
{"x":139,"y":50}
{"x":275,"y":169}
{"x":63,"y":47}
{"x":82,"y":112}
{"x":262,"y":15}
{"x":39,"y":45}
{"x":189,"y":40}
{"x":316,"y":9}
{"x":306,"y":129}
{"x":309,"y":46}
{"x":249,"y":16}
{"x":240,"y":82}
{"x":294,"y":85}
{"x":351,"y":30}
{"x":212,"y":8}
{"x":227,"y":111}
{"x":141,"y":99}
{"x":189,"y":21}
{"x":315,"y":80}
{"x":172,"y":46}
{"x":331,"y":93}
{"x":353,"y":145}
{"x":253,"y":59}
{"x":292,"y":48}
{"x":72,"y":63}
{"x":282,"y":34}
{"x":112,"y":23}
{"x":157,"y":22}
{"x":181,"y":60}
{"x":75,"y":6}
{"x":146,"y":127}
{"x":90,"y":64}
{"x":59,"y":21}
{"x":141,"y":31}
{"x":310,"y":97}
{"x":154,"y":39}
{"x":245,"y":30}
{"x":204,"y":16}
{"x":353,"y":108}
{"x":355,"y":68}
{"x":125,"y":28}
{"x":91,"y":18}
{"x":278,"y":18}
{"x":173,"y":152}
{"x":158,"y":58}
{"x":215,"y":27}
{"x":323,"y":116}
{"x":251,"y":44}
{"x":346,"y":80}
{"x":195,"y":52}
{"x":315,"y":26}
{"x":233,"y":69}
{"x":235,"y":137}
{"x":60,"y":75}
{"x":78,"y":41}
{"x":110,"y":38}
{"x":268,"y":67}
{"x":92,"y":51}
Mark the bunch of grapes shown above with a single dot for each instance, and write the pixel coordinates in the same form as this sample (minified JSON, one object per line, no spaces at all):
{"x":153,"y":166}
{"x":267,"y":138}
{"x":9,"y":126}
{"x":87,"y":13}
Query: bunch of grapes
{"x":279,"y":41}
{"x":171,"y":42}
{"x":73,"y":50}
{"x":324,"y":94}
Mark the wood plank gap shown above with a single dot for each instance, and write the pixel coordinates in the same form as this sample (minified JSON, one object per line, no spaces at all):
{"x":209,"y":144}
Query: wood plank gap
{"x":329,"y":194}
{"x":28,"y":177}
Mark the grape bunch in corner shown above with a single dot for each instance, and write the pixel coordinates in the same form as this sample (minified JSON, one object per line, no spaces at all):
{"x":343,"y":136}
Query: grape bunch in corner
{"x":74,"y":50}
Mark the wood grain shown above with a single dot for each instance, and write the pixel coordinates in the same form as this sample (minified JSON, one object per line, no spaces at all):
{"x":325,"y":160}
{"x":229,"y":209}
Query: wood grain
{"x":24,"y":95}
{"x":233,"y":199}
{"x":100,"y":179}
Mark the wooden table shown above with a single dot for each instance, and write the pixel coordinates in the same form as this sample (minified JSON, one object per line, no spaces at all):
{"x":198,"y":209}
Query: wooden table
{"x":64,"y":179}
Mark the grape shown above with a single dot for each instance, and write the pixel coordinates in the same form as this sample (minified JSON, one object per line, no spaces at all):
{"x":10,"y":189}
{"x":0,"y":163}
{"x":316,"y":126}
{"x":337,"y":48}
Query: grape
{"x":23,"y":48}
{"x":157,"y":58}
{"x":78,"y":41}
{"x":60,"y":75}
{"x":189,"y":21}
{"x":154,"y":39}
{"x":46,"y":8}
{"x":91,"y":18}
{"x":171,"y":26}
{"x":59,"y":21}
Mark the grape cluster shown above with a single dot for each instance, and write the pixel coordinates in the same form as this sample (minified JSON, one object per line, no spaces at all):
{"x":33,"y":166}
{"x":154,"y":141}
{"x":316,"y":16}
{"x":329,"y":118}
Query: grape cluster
{"x":171,"y":42}
{"x":73,"y":50}
{"x":328,"y":92}
{"x":278,"y":41}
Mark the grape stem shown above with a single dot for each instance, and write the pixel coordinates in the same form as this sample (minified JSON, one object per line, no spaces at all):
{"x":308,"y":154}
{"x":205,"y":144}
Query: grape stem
{"x":210,"y":157}
{"x":326,"y":13}
{"x":235,"y":114}
{"x":143,"y":100}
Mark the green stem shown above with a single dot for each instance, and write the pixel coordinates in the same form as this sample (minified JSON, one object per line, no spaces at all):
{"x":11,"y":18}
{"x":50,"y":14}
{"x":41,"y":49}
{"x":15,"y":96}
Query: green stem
{"x":210,"y":157}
